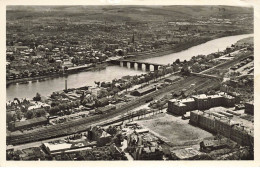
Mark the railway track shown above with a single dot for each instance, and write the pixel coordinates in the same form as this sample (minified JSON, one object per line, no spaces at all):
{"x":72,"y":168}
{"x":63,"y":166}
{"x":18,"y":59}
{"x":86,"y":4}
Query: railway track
{"x":83,"y":124}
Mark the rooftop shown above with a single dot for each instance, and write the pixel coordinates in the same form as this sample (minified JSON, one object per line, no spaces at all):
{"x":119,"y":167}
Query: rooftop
{"x":185,"y":153}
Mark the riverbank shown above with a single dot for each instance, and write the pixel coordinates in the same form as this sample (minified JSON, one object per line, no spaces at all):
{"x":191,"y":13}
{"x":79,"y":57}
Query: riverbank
{"x":55,"y":75}
{"x":26,"y":80}
{"x":181,"y":46}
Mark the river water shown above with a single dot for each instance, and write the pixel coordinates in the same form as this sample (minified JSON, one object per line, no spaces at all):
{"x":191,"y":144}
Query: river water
{"x":204,"y":49}
{"x":111,"y":72}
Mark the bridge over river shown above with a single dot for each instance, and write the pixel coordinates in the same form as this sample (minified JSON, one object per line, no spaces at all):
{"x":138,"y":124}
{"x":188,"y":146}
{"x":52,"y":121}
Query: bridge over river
{"x":137,"y":64}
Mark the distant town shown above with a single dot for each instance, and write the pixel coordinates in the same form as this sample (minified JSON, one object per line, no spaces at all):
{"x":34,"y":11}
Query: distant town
{"x":142,"y":97}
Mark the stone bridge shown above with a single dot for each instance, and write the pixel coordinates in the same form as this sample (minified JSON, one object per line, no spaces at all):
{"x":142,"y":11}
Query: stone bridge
{"x":137,"y":64}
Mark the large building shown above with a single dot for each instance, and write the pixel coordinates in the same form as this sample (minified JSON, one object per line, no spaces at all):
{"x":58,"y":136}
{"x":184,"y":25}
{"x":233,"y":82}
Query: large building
{"x":200,"y":102}
{"x":220,"y":124}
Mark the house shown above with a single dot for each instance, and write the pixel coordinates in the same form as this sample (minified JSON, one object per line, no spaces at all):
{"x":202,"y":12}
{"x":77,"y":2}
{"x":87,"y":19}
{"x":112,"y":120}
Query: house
{"x":210,"y":145}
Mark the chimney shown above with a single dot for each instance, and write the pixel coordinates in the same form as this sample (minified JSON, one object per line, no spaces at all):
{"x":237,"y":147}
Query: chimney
{"x":66,"y":84}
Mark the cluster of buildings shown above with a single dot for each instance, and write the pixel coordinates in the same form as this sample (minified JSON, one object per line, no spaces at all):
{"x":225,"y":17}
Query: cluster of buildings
{"x":96,"y":133}
{"x":222,"y":123}
{"x":144,"y":146}
{"x":200,"y":102}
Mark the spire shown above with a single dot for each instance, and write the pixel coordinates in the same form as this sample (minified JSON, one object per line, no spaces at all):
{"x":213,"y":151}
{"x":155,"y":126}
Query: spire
{"x":133,"y":38}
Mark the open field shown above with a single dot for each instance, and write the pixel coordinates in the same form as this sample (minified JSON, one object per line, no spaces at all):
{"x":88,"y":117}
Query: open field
{"x":173,"y":129}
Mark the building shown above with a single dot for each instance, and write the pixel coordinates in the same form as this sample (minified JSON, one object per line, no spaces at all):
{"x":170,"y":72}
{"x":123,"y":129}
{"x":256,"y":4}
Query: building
{"x":98,"y":134}
{"x":180,"y":107}
{"x":143,"y":91}
{"x":60,"y":146}
{"x":141,"y":148}
{"x":221,"y":124}
{"x":200,"y":102}
{"x":185,"y":154}
{"x":30,"y":123}
{"x":203,"y":102}
{"x":249,"y":107}
{"x":210,"y":145}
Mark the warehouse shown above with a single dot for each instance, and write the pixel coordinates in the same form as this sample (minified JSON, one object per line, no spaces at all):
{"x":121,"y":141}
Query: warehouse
{"x":143,"y":91}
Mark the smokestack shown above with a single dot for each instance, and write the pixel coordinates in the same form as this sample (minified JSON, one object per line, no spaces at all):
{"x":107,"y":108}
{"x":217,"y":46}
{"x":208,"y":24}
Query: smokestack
{"x":66,"y":84}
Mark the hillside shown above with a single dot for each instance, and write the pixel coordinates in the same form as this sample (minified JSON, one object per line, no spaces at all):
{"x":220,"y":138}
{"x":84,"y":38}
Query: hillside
{"x":127,"y":13}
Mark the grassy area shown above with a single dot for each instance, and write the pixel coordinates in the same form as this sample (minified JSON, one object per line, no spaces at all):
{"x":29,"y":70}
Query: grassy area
{"x":175,"y":130}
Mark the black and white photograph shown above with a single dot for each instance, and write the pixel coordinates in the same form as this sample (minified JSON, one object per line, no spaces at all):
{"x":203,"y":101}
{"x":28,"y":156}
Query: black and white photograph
{"x":129,"y":82}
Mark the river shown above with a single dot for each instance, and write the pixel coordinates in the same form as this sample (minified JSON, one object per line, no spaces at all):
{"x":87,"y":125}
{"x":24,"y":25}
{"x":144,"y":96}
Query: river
{"x":111,"y":72}
{"x":204,"y":49}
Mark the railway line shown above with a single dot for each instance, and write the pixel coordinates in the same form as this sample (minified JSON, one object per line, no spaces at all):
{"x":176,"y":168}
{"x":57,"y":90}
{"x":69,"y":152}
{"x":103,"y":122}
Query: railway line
{"x":83,"y":124}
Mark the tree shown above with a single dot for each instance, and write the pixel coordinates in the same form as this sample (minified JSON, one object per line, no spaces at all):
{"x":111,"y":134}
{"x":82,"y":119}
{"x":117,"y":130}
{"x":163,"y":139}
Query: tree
{"x":40,"y":112}
{"x":29,"y":114}
{"x":37,"y":97}
{"x":24,"y":108}
{"x":177,"y":61}
{"x":19,"y":114}
{"x":9,"y":117}
{"x":97,"y":83}
{"x":54,"y":110}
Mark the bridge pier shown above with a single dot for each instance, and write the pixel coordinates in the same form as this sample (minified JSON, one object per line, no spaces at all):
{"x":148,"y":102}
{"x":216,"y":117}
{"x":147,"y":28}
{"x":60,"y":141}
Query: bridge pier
{"x":121,"y":64}
{"x":143,"y":67}
{"x":151,"y":67}
{"x":136,"y":66}
{"x":128,"y":64}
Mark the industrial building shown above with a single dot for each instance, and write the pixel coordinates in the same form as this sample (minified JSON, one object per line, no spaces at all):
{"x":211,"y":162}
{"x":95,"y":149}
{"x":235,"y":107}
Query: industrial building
{"x":199,"y":102}
{"x":221,"y":124}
